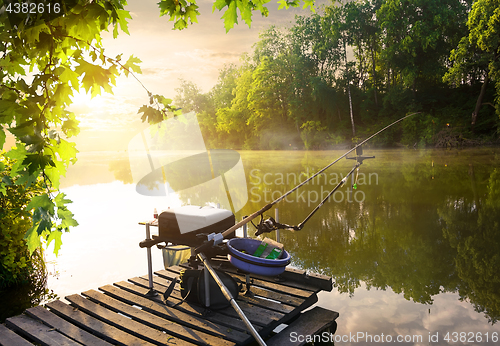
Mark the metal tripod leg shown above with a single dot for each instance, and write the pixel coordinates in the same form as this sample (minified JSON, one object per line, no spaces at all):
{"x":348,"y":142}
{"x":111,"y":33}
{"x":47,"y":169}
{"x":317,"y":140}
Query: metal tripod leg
{"x":230,"y":298}
{"x":151,"y":292}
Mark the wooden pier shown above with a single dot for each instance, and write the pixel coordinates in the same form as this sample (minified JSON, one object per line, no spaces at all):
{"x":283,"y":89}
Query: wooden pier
{"x":123,"y":314}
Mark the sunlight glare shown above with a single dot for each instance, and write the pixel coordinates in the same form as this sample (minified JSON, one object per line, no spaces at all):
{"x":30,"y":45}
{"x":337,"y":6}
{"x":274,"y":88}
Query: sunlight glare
{"x":83,"y":99}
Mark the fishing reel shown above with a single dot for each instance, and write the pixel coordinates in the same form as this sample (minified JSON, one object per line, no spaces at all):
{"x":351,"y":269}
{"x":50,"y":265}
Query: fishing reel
{"x":270,"y":224}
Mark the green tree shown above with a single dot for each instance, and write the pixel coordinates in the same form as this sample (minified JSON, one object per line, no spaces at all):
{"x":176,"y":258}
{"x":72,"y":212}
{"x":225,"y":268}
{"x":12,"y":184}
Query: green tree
{"x":418,"y":36}
{"x":363,"y":33}
{"x":15,"y":259}
{"x":268,"y":97}
{"x":190,"y":98}
{"x":221,"y":97}
{"x":46,"y":58}
{"x":476,"y":57}
{"x":233,"y":120}
{"x":44,"y":61}
{"x":184,"y":12}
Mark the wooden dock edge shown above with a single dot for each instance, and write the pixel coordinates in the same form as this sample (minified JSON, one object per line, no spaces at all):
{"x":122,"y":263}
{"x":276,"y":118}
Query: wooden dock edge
{"x":305,"y":327}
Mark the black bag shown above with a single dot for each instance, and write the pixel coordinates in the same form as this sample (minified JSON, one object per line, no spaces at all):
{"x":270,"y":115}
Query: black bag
{"x":192,"y":282}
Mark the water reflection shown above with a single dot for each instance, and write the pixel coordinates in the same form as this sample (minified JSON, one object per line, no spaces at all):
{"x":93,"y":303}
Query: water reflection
{"x":426,"y":231}
{"x":473,"y":230}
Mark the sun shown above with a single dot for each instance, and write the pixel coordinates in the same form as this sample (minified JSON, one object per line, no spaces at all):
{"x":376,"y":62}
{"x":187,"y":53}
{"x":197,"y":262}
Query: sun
{"x":83,"y":99}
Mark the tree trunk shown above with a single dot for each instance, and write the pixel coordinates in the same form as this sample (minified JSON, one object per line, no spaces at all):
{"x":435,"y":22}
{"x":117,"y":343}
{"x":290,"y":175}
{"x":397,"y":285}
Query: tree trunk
{"x":388,"y":78}
{"x":349,"y":91}
{"x":374,"y":75}
{"x":479,"y":102}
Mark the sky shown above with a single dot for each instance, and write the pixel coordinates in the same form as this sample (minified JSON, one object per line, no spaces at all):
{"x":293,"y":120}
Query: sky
{"x":195,"y":54}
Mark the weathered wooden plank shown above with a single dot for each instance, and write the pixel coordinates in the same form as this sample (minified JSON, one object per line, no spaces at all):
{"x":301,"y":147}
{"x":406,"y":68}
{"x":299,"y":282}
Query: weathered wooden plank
{"x":255,"y":314}
{"x":228,"y":321}
{"x":280,"y":297}
{"x":251,"y":298}
{"x":279,"y":287}
{"x":126,"y":324}
{"x":38,"y":332}
{"x":309,"y":323}
{"x":273,"y":286}
{"x":64,"y":327}
{"x":175,"y":296}
{"x":95,"y":326}
{"x":263,"y":328}
{"x":9,"y":338}
{"x":160,"y":309}
{"x":293,"y":277}
{"x":146,"y":318}
{"x":324,"y":282}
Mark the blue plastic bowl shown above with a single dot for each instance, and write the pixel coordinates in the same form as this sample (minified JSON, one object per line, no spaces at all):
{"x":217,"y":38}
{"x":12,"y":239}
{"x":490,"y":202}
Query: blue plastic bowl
{"x":252,"y":264}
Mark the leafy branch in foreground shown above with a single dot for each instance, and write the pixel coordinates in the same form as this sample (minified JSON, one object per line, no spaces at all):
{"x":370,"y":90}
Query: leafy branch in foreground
{"x":42,"y":65}
{"x":44,"y":60}
{"x":183,"y":12}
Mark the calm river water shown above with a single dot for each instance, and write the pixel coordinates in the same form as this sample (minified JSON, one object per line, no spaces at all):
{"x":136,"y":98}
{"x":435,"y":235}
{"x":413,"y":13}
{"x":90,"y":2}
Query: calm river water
{"x":414,"y":252}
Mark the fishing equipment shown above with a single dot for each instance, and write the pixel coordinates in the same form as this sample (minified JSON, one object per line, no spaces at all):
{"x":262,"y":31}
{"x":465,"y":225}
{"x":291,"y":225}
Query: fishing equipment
{"x":193,"y":286}
{"x":240,"y":255}
{"x":268,"y":249}
{"x":183,"y":225}
{"x":269,"y":223}
{"x":174,"y":255}
{"x":230,"y":298}
{"x":190,"y":225}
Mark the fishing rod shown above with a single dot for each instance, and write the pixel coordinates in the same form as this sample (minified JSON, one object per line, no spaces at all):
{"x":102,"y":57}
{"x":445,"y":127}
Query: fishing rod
{"x":271,"y":224}
{"x":214,"y":239}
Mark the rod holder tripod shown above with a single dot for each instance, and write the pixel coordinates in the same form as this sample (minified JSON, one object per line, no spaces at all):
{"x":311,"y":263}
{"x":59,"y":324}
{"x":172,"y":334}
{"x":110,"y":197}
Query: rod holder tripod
{"x":359,"y":155}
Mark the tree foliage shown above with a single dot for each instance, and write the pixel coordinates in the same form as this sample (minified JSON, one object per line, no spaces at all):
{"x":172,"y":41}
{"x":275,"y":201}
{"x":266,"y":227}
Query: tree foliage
{"x":44,"y":62}
{"x":45,"y":58}
{"x":183,"y":12}
{"x":15,"y":265}
{"x":394,"y":56}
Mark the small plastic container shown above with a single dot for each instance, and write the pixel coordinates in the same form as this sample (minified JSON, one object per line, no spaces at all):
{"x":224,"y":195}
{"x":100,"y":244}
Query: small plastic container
{"x":240,"y":250}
